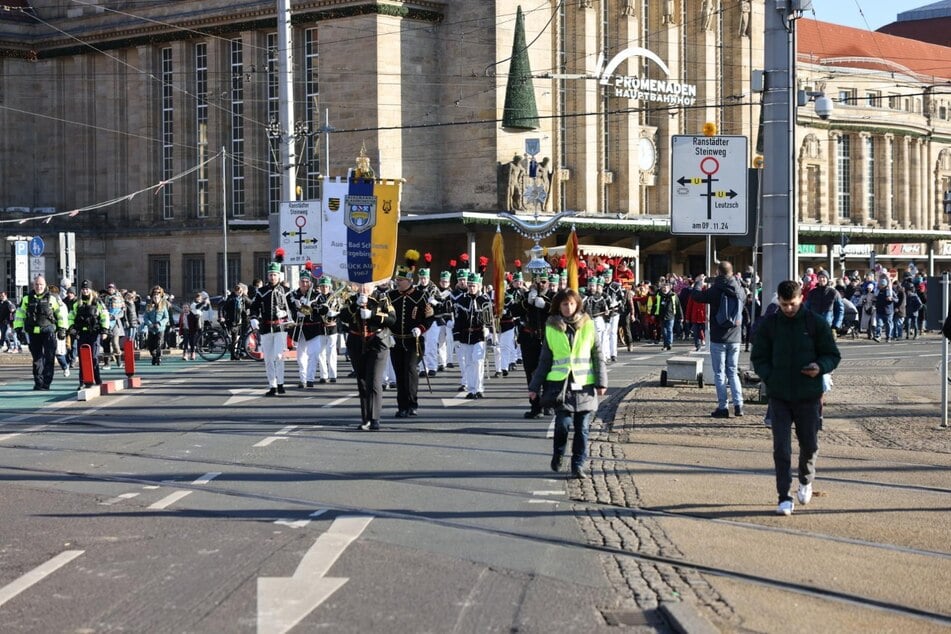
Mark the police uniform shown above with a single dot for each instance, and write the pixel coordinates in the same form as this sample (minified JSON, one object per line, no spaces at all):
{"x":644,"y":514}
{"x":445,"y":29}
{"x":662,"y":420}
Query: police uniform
{"x":42,"y":317}
{"x":367,"y":317}
{"x":306,"y":328}
{"x":271,"y":309}
{"x":532,"y":307}
{"x":473,"y":313}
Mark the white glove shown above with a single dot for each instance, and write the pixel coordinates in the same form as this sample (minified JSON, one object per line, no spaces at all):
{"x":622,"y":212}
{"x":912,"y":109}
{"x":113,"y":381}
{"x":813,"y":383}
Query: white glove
{"x":361,"y":300}
{"x":539,"y":302}
{"x":433,"y":301}
{"x":416,"y":332}
{"x":281,"y":314}
{"x":255,"y":324}
{"x":331,"y":314}
{"x":532,"y":294}
{"x":365,"y":313}
{"x":304,"y":301}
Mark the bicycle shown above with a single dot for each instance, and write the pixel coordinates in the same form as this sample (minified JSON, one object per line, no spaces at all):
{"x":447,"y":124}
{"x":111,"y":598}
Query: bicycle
{"x":214,"y":342}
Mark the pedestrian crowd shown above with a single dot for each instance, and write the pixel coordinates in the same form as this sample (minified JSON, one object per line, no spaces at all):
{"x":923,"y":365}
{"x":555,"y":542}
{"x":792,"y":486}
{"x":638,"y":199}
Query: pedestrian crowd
{"x":418,"y":325}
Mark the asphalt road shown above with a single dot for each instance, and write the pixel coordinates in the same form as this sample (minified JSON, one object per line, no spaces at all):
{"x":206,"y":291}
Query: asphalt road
{"x":194,"y":504}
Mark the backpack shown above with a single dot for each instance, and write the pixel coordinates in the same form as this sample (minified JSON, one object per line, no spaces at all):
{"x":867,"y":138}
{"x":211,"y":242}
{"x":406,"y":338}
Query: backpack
{"x":730,"y":311}
{"x":912,"y":303}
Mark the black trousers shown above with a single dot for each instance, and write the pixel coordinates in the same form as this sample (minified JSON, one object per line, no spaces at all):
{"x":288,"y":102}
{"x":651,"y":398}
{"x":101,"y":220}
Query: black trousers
{"x":405,"y":361}
{"x":531,"y":353}
{"x":91,"y":340}
{"x":368,"y":358}
{"x":805,"y":418}
{"x":43,"y":349}
{"x":154,"y":344}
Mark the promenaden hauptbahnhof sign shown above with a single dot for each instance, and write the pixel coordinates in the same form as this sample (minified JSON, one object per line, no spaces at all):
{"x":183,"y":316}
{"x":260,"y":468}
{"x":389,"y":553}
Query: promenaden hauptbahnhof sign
{"x":667,"y":91}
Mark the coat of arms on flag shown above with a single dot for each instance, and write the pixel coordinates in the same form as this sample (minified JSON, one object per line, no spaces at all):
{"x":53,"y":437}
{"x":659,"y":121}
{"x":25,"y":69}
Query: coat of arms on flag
{"x":360,"y":213}
{"x":333,"y":204}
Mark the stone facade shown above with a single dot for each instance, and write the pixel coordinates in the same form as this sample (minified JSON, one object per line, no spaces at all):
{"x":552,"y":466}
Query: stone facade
{"x":115,"y":108}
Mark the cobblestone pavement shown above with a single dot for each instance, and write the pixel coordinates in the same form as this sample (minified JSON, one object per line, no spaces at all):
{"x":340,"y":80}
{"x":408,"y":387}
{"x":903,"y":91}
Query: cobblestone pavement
{"x":882,"y":403}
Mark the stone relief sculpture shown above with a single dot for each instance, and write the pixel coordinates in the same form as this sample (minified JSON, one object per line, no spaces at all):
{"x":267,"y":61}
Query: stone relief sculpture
{"x":810,"y":147}
{"x":708,"y":9}
{"x":584,"y":4}
{"x":513,"y":177}
{"x":746,"y":9}
{"x":627,"y":9}
{"x":669,"y":12}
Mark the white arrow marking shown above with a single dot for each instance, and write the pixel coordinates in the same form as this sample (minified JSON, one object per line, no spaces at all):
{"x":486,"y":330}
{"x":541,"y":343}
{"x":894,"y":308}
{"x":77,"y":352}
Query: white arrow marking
{"x":118,"y":498}
{"x":241,"y":395}
{"x":283,"y":602}
{"x":36,"y":575}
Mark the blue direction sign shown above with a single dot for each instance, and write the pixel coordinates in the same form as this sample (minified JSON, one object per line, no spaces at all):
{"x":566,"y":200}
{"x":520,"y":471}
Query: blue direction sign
{"x":36,"y":246}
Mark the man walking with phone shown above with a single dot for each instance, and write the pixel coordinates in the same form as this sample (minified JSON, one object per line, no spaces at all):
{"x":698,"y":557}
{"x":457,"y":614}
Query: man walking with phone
{"x":792,"y":349}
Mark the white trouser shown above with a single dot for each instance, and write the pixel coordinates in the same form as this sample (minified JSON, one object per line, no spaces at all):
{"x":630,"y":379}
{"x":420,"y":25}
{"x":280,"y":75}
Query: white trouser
{"x":430,"y":346}
{"x":450,"y":342}
{"x":307,"y":359}
{"x":507,"y":344}
{"x":497,"y":353}
{"x":445,"y":344}
{"x":472,"y":365}
{"x":273,"y":346}
{"x":389,"y":376}
{"x":612,"y":335}
{"x":599,"y":329}
{"x":327,"y":356}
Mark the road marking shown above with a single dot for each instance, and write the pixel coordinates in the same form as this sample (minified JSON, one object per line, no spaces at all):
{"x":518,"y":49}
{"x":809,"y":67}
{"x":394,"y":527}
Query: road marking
{"x":151,"y":486}
{"x":456,"y":400}
{"x":551,"y":428}
{"x":20,"y":433}
{"x":300,"y":523}
{"x":241,"y":395}
{"x":208,"y":477}
{"x":36,"y":575}
{"x":543,"y":501}
{"x":286,"y":430}
{"x":119,"y":498}
{"x":548,"y":492}
{"x":267,"y":441}
{"x":338,"y":401}
{"x":283,"y":602}
{"x":169,"y":500}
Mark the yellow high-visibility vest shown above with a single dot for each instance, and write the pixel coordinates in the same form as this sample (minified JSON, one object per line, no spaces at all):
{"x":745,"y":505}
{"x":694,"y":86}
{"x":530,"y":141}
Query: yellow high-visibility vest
{"x":575,"y":359}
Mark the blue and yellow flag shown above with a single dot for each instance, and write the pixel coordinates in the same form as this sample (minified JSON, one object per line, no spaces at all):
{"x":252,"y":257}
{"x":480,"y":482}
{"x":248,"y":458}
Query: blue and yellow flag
{"x":360,"y":219}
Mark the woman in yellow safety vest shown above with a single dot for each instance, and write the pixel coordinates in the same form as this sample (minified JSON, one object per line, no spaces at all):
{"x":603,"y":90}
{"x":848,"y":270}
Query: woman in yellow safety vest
{"x":571,"y":374}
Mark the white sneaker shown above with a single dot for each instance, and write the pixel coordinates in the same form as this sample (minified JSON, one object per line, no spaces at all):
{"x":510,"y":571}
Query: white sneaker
{"x":785,"y":508}
{"x":107,"y":367}
{"x":66,"y":372}
{"x":804,"y":494}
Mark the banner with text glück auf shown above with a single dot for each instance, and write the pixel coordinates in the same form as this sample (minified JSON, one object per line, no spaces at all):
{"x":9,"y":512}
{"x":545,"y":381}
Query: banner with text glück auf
{"x":359,"y":226}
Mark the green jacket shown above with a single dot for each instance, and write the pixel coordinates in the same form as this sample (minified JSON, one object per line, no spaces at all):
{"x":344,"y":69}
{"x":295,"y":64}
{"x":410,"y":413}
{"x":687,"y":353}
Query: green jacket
{"x":784,"y":345}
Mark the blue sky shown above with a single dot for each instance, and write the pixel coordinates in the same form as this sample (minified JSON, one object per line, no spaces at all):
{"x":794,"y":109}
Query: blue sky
{"x":878,"y":13}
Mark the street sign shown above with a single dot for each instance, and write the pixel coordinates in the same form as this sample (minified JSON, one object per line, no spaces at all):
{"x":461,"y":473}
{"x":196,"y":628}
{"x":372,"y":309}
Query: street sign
{"x":300,"y":231}
{"x":21,"y":264}
{"x":37,"y":266}
{"x":708,"y":185}
{"x":37,"y":246}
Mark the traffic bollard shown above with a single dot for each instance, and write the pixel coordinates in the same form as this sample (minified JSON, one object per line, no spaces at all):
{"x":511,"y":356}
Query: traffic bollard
{"x":86,"y":374}
{"x":128,"y":354}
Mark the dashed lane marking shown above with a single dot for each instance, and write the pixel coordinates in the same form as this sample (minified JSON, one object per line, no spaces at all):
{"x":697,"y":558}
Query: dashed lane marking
{"x":169,"y":500}
{"x":208,"y":477}
{"x":560,"y":492}
{"x":537,"y":501}
{"x":118,"y":498}
{"x":267,"y":441}
{"x":36,"y":575}
{"x":20,"y":433}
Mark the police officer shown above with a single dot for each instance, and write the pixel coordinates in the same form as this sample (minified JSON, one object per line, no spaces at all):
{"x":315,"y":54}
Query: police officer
{"x":413,"y":317}
{"x":271,"y":309}
{"x":42,"y":315}
{"x":366,"y":315}
{"x":89,"y":322}
{"x":532,"y":308}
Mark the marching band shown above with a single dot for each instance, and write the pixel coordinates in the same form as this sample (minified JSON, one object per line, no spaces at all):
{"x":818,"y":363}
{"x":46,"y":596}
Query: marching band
{"x":407,"y":330}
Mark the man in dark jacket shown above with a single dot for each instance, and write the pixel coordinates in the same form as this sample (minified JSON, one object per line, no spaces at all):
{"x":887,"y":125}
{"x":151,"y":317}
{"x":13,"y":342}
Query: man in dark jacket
{"x":792,"y":350}
{"x":725,"y":339}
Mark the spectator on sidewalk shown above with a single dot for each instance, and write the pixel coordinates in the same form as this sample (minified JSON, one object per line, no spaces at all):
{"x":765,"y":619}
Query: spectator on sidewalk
{"x":792,"y":350}
{"x":7,"y":311}
{"x":727,"y":299}
{"x":825,"y":301}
